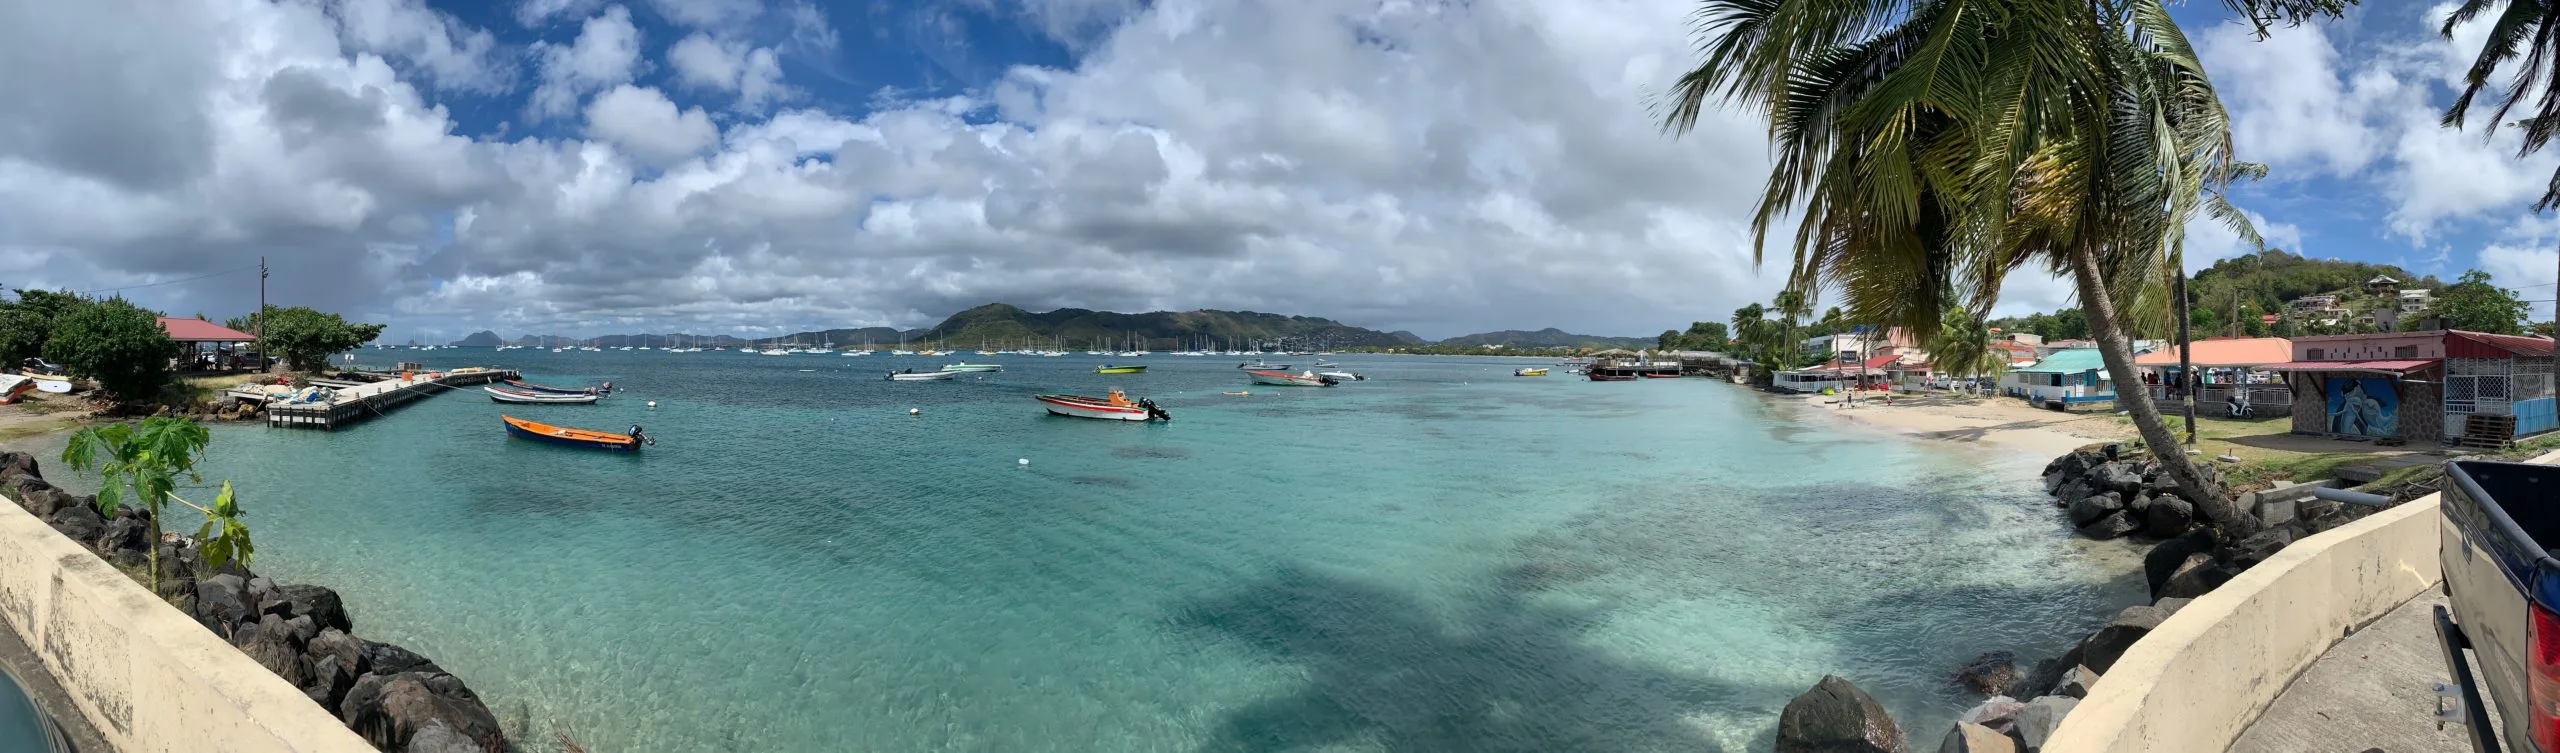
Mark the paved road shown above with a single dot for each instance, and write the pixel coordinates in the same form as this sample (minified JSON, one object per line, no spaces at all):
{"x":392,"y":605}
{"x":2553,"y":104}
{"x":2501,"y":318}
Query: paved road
{"x":2374,"y":690}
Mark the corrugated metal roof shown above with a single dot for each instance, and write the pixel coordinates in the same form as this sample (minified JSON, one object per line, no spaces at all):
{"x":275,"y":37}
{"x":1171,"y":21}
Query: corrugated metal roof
{"x":2068,"y":361}
{"x":2393,"y":367}
{"x":2466,"y":344}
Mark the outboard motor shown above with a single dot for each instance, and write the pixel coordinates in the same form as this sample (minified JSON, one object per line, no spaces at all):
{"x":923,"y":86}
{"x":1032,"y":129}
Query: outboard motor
{"x":1153,"y":411}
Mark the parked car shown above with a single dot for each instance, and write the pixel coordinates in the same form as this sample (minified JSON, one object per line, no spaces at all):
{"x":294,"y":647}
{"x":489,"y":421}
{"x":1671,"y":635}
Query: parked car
{"x":2500,"y":521}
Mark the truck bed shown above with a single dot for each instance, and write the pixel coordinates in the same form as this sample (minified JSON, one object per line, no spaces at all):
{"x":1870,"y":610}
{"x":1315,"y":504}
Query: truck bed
{"x":2499,"y":522}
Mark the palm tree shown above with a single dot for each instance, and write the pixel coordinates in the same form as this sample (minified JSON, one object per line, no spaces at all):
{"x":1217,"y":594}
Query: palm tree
{"x":1961,"y":346}
{"x":1927,"y":148}
{"x":2531,"y":29}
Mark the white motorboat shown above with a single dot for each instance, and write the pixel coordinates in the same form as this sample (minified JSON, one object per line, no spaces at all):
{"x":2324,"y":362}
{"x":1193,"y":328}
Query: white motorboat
{"x":1344,"y":376}
{"x":921,"y":376}
{"x":531,"y":398}
{"x":967,"y":366}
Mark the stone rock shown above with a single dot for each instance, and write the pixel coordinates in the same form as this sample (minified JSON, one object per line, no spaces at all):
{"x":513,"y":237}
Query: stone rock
{"x":127,"y":539}
{"x":78,"y":523}
{"x":2248,"y":552}
{"x":336,"y":659}
{"x":317,"y":602}
{"x":2100,"y":651}
{"x":2072,"y":491}
{"x":262,"y":592}
{"x":249,"y":410}
{"x":2276,"y":512}
{"x":1989,"y":674}
{"x":2115,"y":524}
{"x":1836,"y":717}
{"x":2038,"y":720}
{"x":2090,"y":508}
{"x":2194,"y":577}
{"x":385,"y":658}
{"x":222,"y":603}
{"x":228,"y":414}
{"x":40,"y":497}
{"x":1999,"y":712}
{"x":15,"y":465}
{"x":392,"y":710}
{"x":1974,"y":738}
{"x":2140,"y":503}
{"x":2077,"y":682}
{"x":2168,"y":516}
{"x":272,"y":645}
{"x":436,"y":737}
{"x":2118,"y":478}
{"x":2165,"y":559}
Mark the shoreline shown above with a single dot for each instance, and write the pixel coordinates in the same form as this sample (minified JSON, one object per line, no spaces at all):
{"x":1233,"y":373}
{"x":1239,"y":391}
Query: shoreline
{"x":1990,"y":423}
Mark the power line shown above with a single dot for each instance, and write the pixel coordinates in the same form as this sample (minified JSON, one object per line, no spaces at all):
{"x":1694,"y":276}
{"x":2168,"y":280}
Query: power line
{"x":167,"y":282}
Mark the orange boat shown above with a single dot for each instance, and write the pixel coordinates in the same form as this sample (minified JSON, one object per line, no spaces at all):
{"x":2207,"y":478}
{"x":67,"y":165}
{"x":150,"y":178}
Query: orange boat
{"x":541,"y":432}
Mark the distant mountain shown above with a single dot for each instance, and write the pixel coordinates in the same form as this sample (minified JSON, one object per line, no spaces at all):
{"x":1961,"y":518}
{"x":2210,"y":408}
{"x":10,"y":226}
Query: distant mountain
{"x":1546,"y":338}
{"x":998,"y":323}
{"x":481,"y":339}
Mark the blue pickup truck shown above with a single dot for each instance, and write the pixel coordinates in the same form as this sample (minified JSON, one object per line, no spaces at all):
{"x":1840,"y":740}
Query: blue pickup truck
{"x":2504,"y":587}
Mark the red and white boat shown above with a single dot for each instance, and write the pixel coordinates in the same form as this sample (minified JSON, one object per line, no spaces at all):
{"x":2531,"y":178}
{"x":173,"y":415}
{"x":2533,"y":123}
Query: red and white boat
{"x":1117,"y":407}
{"x":1285,"y":379}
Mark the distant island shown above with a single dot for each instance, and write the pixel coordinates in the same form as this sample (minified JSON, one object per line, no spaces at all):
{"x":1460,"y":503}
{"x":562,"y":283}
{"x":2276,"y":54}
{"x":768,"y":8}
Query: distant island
{"x":1005,"y":326}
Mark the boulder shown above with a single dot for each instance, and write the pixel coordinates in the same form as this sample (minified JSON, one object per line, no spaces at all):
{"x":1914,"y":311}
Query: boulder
{"x":2076,"y":683}
{"x":40,"y":497}
{"x":2072,"y":491}
{"x":336,"y":659}
{"x":2168,"y":516}
{"x":15,"y":465}
{"x":2165,"y":559}
{"x":1999,"y":712}
{"x":2119,"y":478}
{"x":222,"y":603}
{"x":391,"y":710}
{"x":272,"y":645}
{"x":436,"y":737}
{"x":2248,"y":552}
{"x":127,"y":539}
{"x":1989,"y":674}
{"x":385,"y":658}
{"x":2090,"y":508}
{"x":317,"y":602}
{"x":1836,"y":717}
{"x":2102,"y":648}
{"x":2041,"y":716}
{"x":2115,"y":524}
{"x":2139,"y":504}
{"x":1975,"y":738}
{"x":78,"y":523}
{"x":249,"y":410}
{"x":2194,"y":577}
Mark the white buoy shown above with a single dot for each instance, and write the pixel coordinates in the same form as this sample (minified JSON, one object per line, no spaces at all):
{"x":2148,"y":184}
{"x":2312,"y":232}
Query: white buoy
{"x":915,"y":411}
{"x":1022,"y":461}
{"x":653,"y":405}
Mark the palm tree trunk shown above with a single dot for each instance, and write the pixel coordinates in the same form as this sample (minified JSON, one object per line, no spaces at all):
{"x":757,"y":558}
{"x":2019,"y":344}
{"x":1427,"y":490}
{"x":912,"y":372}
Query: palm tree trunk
{"x":2117,"y":351}
{"x":2186,"y":365}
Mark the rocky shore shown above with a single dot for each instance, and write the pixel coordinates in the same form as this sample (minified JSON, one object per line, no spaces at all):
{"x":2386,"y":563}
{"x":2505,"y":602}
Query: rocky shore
{"x":2105,"y":491}
{"x":397,"y":700}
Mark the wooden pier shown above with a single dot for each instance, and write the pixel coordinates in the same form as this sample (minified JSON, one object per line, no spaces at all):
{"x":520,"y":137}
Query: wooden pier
{"x":356,"y":401}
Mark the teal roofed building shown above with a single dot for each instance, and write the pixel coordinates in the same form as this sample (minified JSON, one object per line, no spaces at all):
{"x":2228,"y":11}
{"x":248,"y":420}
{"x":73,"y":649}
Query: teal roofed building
{"x":2065,"y":378}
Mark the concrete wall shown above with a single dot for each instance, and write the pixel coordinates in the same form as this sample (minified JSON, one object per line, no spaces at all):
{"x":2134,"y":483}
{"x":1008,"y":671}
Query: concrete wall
{"x":2198,"y":681}
{"x":2195,"y":683}
{"x":144,"y":675}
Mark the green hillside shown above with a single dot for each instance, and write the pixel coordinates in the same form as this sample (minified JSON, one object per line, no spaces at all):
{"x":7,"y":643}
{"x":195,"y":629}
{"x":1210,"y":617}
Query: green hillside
{"x":1000,"y":324}
{"x":1546,"y":338}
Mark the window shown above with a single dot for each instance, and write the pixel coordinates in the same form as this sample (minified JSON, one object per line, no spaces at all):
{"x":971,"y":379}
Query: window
{"x":2405,"y":351}
{"x":2313,"y":354}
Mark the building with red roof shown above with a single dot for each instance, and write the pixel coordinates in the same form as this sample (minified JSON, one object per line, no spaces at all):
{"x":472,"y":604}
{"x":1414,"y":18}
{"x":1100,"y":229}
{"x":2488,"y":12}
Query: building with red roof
{"x":2454,"y":386}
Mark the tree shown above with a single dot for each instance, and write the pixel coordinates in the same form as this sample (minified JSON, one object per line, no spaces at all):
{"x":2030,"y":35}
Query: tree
{"x":2477,"y":305}
{"x":139,"y":465}
{"x":304,"y":338}
{"x":1925,"y":148}
{"x":1706,"y":336}
{"x":1668,"y":340}
{"x":25,"y":324}
{"x":1961,"y":346}
{"x":119,"y":345}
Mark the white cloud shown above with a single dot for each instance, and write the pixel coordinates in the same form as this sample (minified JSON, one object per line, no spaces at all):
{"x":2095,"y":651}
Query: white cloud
{"x":534,"y":13}
{"x":606,"y":52}
{"x":2530,"y":271}
{"x":453,"y":54}
{"x":644,"y":122}
{"x":708,"y":14}
{"x":753,"y":73}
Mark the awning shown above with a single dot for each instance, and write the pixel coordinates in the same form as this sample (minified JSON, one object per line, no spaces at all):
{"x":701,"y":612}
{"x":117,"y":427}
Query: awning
{"x":2372,"y":367}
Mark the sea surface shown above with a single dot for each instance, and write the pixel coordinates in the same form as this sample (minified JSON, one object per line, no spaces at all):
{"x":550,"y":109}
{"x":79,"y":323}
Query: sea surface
{"x":1441,"y":558}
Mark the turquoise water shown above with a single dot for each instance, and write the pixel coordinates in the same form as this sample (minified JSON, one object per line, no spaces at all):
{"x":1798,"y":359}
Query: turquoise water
{"x":1441,"y":558}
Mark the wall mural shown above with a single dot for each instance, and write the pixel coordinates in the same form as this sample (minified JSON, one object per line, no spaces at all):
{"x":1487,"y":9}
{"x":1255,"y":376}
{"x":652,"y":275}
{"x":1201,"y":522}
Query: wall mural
{"x":2364,"y":407}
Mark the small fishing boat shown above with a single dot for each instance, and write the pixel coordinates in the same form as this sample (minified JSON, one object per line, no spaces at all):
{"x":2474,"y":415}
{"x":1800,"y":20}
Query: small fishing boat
{"x":546,"y":433}
{"x":12,"y":386}
{"x":1342,"y":376}
{"x":1117,"y":407}
{"x":967,"y":366}
{"x":1530,"y":372}
{"x":1324,"y":364}
{"x":550,"y":390}
{"x":912,"y":375}
{"x":537,"y":398}
{"x":1116,"y":369}
{"x":1285,"y":379}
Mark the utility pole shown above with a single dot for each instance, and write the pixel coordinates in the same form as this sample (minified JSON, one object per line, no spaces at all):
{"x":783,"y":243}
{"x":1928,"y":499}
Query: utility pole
{"x":261,"y":317}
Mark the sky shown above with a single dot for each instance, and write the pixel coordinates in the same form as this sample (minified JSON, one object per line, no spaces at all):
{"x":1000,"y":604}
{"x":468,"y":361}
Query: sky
{"x":765,"y":166}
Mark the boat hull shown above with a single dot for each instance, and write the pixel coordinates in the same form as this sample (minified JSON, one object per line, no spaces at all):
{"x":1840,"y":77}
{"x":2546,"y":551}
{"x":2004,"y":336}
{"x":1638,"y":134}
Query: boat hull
{"x":972,"y":367}
{"x":537,"y":398}
{"x":1603,"y":377}
{"x":1078,"y":406}
{"x":1530,"y":372}
{"x":554,"y":435}
{"x":1278,"y":379}
{"x":546,"y":389}
{"x":925,"y":376}
{"x":1120,"y":370}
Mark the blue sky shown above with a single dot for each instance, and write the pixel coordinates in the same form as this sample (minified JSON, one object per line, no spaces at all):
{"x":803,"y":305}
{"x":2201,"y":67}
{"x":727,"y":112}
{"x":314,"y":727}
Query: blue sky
{"x":762,"y":166}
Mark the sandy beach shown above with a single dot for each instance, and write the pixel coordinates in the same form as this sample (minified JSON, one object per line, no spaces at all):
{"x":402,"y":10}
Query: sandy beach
{"x":1995,"y":423}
